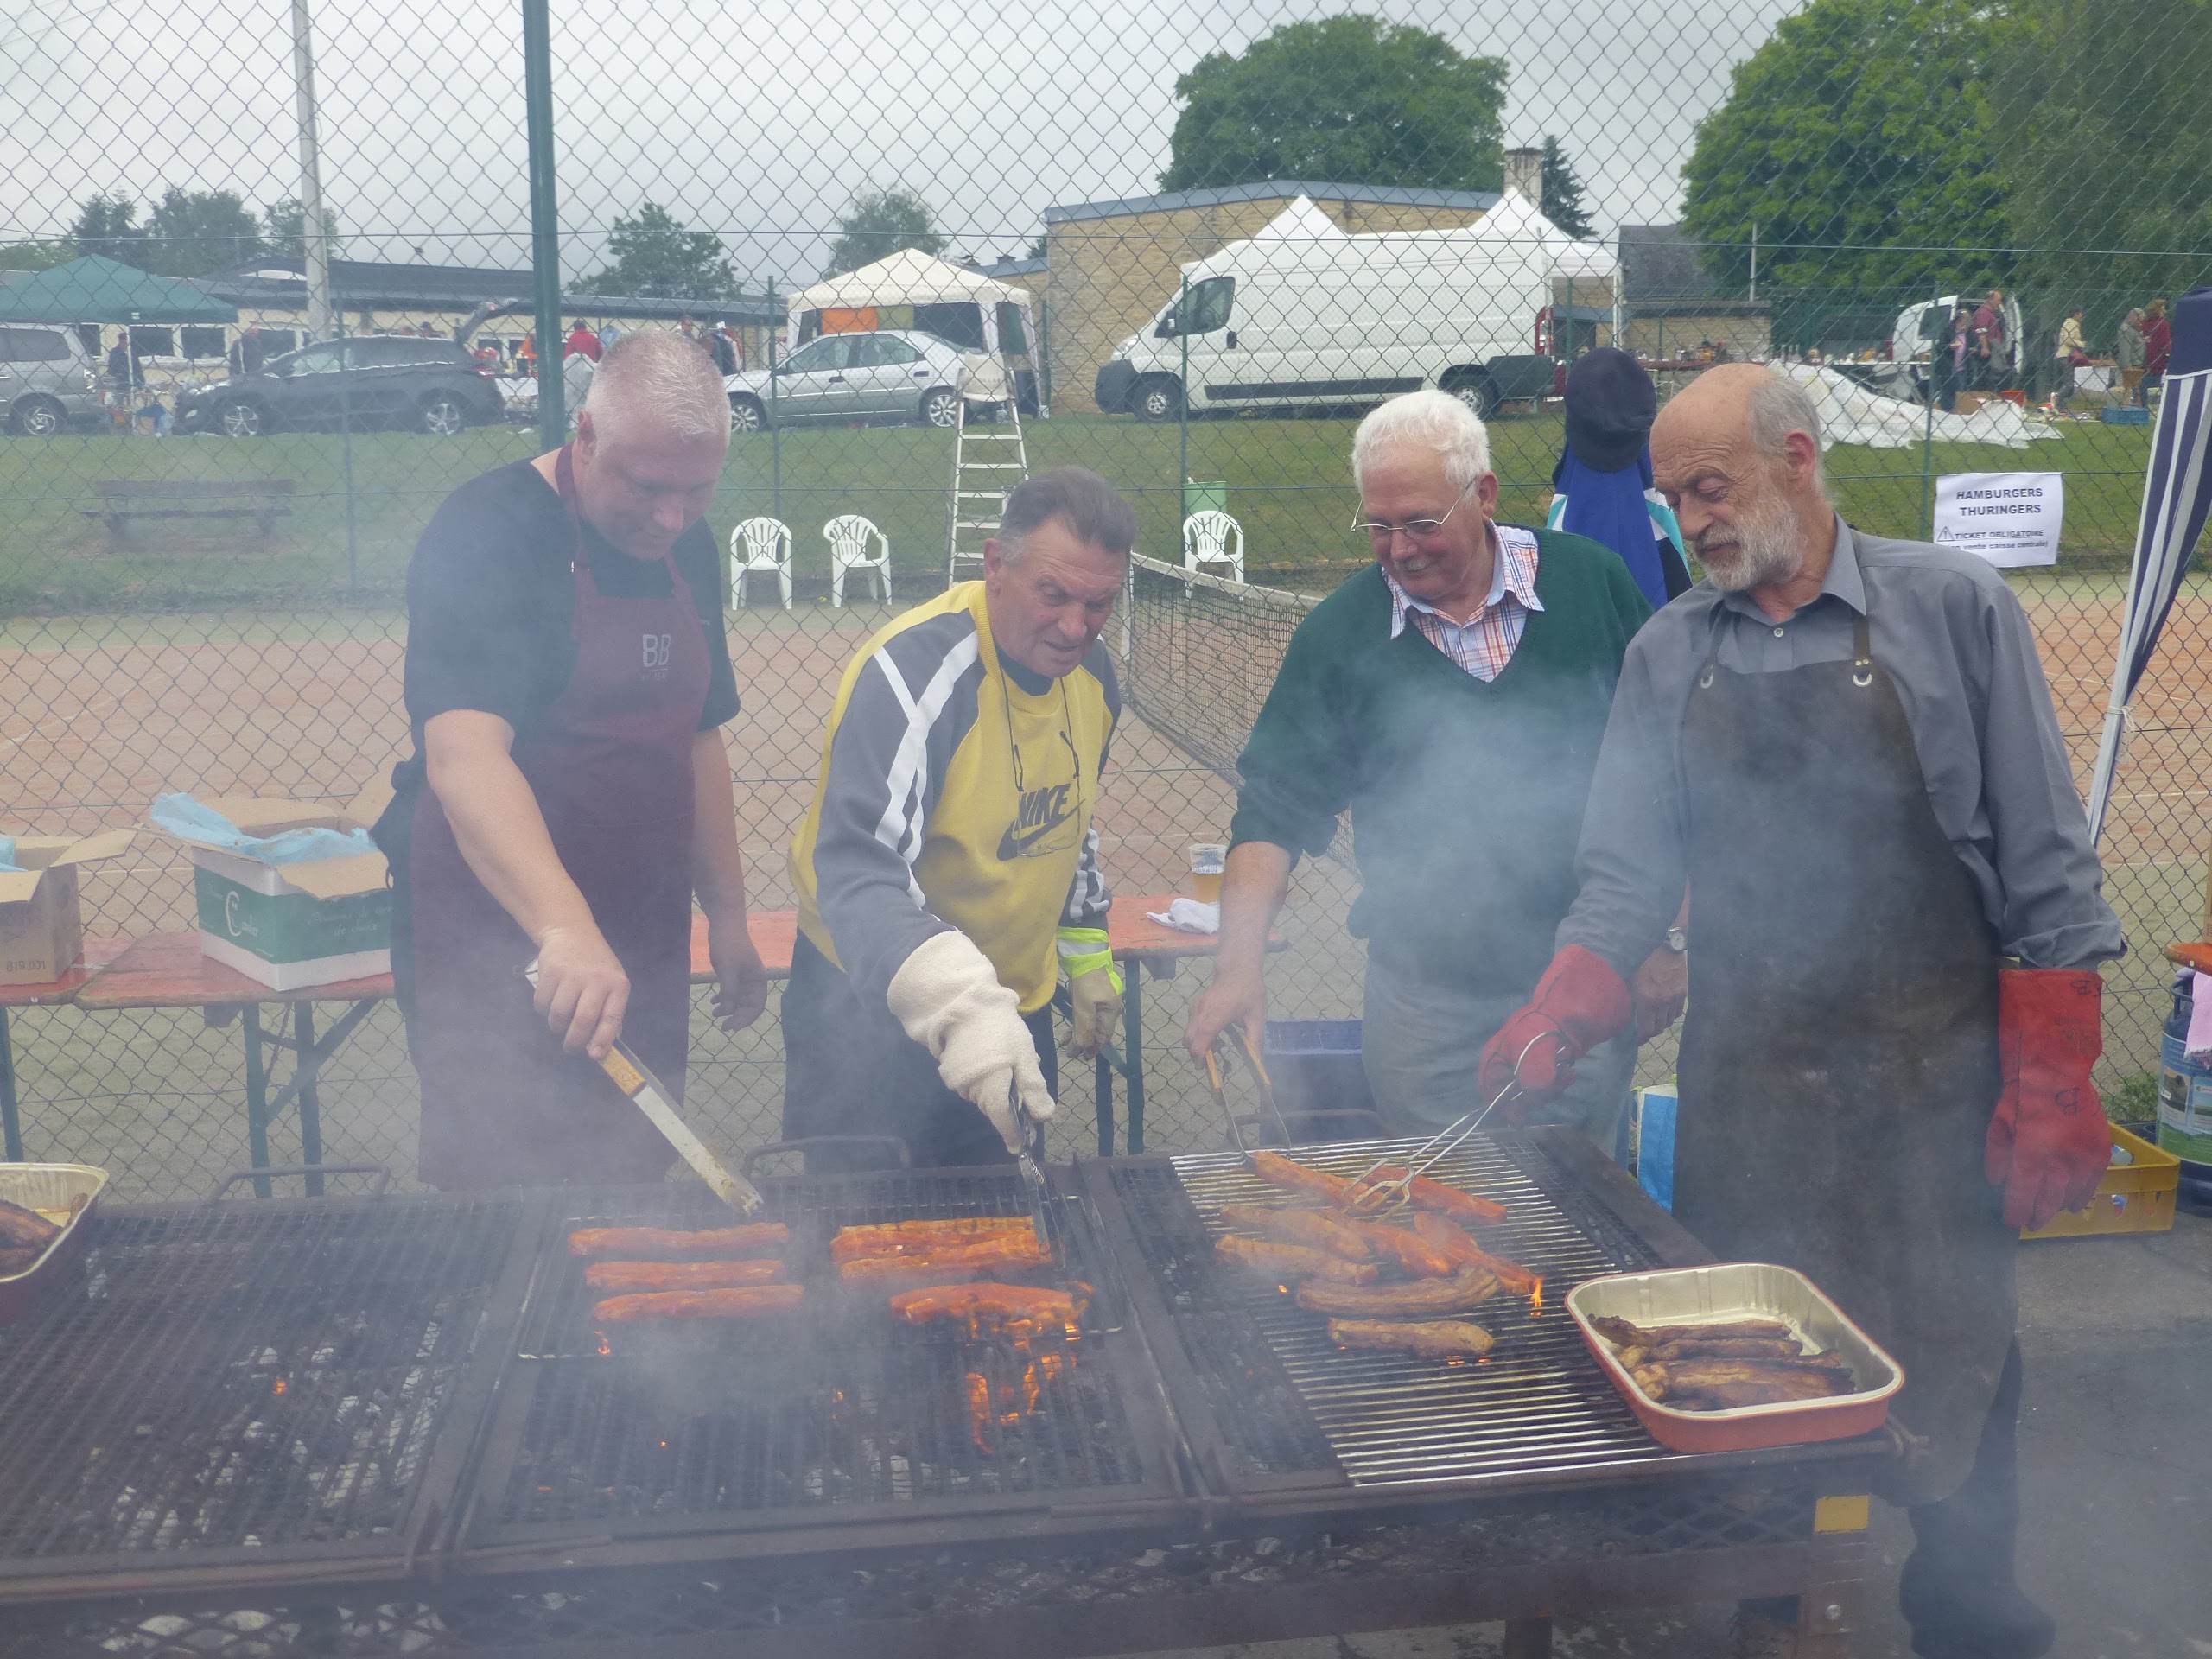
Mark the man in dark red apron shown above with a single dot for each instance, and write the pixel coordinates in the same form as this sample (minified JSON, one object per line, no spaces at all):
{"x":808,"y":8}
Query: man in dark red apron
{"x":568,"y":676}
{"x":1846,"y":748}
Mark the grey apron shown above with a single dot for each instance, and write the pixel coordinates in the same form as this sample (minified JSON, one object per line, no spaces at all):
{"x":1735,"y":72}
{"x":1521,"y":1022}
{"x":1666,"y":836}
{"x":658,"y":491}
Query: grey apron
{"x":1839,"y":1065}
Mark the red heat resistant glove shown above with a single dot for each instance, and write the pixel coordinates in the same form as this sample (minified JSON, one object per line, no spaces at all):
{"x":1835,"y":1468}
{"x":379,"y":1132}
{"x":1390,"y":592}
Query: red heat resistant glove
{"x":1578,"y":1002}
{"x":2049,"y":1144}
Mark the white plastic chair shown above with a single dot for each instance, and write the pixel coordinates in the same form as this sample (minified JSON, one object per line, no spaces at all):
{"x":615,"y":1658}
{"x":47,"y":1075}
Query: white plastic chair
{"x":848,"y":536}
{"x":1213,"y":537}
{"x":760,"y":547}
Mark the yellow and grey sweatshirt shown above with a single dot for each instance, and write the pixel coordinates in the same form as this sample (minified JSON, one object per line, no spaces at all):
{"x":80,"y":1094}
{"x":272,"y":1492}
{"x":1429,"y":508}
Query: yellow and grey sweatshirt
{"x":957,"y":790}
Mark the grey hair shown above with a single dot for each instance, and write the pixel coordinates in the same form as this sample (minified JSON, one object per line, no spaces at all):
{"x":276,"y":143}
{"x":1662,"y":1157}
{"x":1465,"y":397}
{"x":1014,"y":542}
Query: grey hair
{"x":1437,"y":421}
{"x":1778,"y":407}
{"x":653,"y":376}
{"x":1093,"y":510}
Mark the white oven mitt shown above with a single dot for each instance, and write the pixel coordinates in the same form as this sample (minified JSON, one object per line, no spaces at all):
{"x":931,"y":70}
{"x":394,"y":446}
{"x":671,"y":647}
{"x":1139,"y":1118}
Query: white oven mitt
{"x":948,"y":996}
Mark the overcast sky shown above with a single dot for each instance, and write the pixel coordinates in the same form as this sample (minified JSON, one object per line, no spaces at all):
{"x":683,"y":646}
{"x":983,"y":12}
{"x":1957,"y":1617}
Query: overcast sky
{"x":758,"y":121}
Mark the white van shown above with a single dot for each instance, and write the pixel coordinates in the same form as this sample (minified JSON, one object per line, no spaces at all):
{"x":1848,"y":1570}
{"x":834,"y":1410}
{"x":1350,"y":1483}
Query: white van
{"x":1304,"y":315}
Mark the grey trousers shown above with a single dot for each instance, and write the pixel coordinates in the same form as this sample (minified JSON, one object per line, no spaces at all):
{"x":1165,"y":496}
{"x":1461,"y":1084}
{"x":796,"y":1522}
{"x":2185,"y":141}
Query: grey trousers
{"x":1420,"y":1044}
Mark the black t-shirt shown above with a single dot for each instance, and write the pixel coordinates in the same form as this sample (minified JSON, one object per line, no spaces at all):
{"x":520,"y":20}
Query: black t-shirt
{"x":491,"y":601}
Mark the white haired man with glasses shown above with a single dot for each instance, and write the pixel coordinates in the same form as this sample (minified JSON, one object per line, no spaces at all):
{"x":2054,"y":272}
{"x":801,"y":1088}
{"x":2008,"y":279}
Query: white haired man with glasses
{"x":1452,"y":697}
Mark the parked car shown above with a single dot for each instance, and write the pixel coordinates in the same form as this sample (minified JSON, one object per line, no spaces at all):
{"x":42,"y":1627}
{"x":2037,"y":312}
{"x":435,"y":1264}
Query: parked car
{"x":47,"y":380}
{"x":367,"y":380}
{"x":898,"y":374}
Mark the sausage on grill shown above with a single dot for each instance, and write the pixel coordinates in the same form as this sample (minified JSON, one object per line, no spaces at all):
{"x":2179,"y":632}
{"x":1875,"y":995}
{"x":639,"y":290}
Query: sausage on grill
{"x":663,"y":1245}
{"x":1012,"y":1253}
{"x":1279,"y":1171}
{"x":1623,"y":1334}
{"x":1447,"y":1237}
{"x":747,"y":1302}
{"x":1431,"y":1338}
{"x":991,"y":1304}
{"x":1438,"y":1196}
{"x":681,"y":1275}
{"x":1292,"y":1261}
{"x":1423,"y":1299}
{"x":920,"y":1237}
{"x":1413,"y":1255}
{"x":1316,"y":1229}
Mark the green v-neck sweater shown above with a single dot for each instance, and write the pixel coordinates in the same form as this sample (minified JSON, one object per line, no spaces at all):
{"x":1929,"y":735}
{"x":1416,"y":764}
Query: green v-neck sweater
{"x":1465,"y":796}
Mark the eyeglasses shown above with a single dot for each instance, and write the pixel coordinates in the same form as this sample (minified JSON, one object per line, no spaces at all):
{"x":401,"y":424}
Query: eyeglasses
{"x":1414,"y":529}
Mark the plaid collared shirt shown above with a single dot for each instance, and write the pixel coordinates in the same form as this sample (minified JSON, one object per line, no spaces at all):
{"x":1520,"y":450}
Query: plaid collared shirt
{"x":1485,"y":642}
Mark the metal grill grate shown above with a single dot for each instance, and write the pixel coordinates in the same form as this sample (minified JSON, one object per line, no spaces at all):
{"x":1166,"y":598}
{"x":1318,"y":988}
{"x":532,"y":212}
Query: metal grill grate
{"x":1537,"y":1404}
{"x":248,"y":1376}
{"x":840,"y":1405}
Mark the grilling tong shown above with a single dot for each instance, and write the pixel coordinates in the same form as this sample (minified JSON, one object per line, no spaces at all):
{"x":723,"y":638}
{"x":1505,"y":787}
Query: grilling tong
{"x":1377,"y":1198}
{"x":650,"y":1095}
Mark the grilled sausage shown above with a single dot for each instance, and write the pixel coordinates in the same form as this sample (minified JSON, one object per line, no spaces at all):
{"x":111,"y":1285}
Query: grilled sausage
{"x":1279,"y":1171}
{"x":1430,"y":1339}
{"x":920,"y":1237}
{"x":1316,"y":1229}
{"x":663,"y":1244}
{"x":747,"y":1302}
{"x":681,"y":1275}
{"x":1414,"y":1255}
{"x":25,"y":1229}
{"x":1006,"y":1254}
{"x":1445,"y":1199}
{"x":1731,"y":1348}
{"x":1726,"y":1396}
{"x":1292,"y":1261}
{"x":991,"y":1304}
{"x":1462,"y":1251}
{"x":1428,"y":1297}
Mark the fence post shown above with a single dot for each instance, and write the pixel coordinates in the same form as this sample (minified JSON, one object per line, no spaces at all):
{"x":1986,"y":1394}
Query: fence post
{"x":1928,"y":439}
{"x":1183,"y":415}
{"x":775,"y":426}
{"x":544,"y":218}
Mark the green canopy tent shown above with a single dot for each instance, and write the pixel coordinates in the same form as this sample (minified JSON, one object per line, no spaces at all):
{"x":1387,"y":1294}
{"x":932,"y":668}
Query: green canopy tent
{"x":95,"y":289}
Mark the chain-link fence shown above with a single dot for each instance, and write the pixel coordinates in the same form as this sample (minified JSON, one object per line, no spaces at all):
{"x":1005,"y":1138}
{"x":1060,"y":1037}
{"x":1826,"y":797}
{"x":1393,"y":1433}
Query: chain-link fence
{"x":268,"y":295}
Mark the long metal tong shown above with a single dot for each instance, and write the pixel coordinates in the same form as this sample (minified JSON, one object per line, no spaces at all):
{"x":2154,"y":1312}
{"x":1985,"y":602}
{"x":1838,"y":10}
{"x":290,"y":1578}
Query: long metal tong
{"x":1386,"y":1197}
{"x":1218,"y":1065}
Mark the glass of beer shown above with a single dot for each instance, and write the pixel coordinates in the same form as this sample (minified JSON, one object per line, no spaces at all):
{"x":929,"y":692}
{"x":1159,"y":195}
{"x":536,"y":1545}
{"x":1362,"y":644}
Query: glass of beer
{"x":1207,"y":858}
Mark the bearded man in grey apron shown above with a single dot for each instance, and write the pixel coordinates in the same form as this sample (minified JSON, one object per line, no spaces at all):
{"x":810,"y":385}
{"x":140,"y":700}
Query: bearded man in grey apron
{"x":1846,"y":748}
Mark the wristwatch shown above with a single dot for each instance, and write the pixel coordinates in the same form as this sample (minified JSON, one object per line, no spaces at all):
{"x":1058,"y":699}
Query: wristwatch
{"x":1678,"y":940}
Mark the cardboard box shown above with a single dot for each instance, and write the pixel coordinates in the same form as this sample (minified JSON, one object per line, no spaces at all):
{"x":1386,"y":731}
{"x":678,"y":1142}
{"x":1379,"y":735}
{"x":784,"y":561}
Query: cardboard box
{"x":1970,"y":401}
{"x":289,"y":925}
{"x":41,"y":927}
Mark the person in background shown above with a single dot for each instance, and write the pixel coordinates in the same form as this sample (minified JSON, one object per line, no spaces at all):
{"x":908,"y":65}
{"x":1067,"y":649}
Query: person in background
{"x":729,"y":356}
{"x":947,"y":870}
{"x":124,"y":370}
{"x":1601,"y":487}
{"x":688,"y":328}
{"x":2158,"y":347}
{"x":567,"y":794}
{"x":528,"y":353}
{"x":582,"y":342}
{"x":1452,"y":697}
{"x":577,"y":368}
{"x":1992,"y":352}
{"x":1845,"y":747}
{"x":1955,"y":359}
{"x":248,"y":353}
{"x":2128,"y":350}
{"x":2070,"y":353}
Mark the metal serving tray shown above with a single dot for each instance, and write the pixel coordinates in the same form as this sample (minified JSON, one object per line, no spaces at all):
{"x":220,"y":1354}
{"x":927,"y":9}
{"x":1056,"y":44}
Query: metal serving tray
{"x":1739,"y":1290}
{"x":47,"y":1187}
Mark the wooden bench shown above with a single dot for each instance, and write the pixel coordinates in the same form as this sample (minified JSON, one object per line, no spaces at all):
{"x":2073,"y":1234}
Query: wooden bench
{"x":123,"y":501}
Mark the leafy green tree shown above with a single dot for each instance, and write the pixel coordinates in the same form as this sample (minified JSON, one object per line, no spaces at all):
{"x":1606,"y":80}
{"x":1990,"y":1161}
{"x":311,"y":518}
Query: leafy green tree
{"x":1350,"y":100}
{"x":34,"y":256}
{"x":1562,"y":187}
{"x":2099,"y":107}
{"x":876,"y":223}
{"x":654,"y":253}
{"x":284,"y":232}
{"x":196,"y":232}
{"x":1859,"y":142}
{"x":108,"y":227}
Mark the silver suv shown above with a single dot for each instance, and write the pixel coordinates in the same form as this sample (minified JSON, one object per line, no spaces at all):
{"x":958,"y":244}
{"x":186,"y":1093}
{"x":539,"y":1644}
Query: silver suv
{"x":47,"y":380}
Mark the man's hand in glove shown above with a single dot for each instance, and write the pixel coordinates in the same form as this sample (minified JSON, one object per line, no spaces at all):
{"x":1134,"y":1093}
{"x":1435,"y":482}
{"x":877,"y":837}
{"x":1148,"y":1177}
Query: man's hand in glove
{"x":948,"y":996}
{"x":1578,"y":1003}
{"x":2049,"y":1144}
{"x":1094,"y":989}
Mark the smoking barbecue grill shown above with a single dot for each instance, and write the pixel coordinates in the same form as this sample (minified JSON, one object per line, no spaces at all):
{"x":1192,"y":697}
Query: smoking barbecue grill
{"x":1203,"y":1471}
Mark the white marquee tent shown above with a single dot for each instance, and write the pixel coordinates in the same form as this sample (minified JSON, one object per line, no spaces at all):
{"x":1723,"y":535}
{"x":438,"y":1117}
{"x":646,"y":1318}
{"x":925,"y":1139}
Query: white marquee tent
{"x":890,"y":293}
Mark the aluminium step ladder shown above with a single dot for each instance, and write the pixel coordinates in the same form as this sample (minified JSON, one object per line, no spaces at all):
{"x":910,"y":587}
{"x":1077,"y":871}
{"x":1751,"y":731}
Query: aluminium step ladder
{"x":981,"y":478}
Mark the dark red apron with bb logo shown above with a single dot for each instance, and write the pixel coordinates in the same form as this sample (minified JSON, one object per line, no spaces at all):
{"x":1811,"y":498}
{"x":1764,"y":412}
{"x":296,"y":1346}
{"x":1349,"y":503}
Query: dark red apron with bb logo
{"x":610,"y":766}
